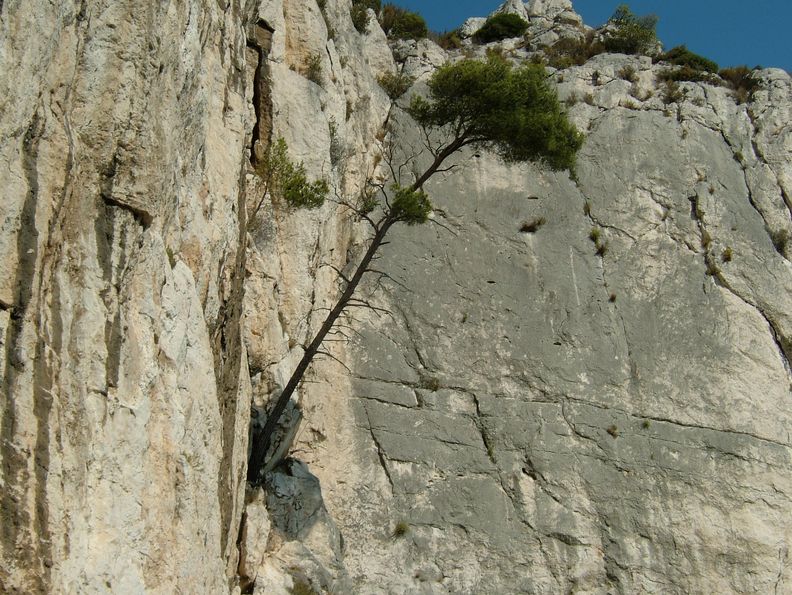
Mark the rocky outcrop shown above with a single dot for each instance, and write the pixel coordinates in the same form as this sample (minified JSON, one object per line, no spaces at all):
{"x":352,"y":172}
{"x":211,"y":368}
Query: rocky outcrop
{"x":625,"y":430}
{"x":548,"y":21}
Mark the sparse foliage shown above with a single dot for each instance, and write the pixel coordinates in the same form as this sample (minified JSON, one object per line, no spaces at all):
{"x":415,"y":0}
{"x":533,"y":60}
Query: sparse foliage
{"x":395,"y":84}
{"x":781,"y":239}
{"x":672,"y":93}
{"x":684,"y":73}
{"x":301,"y":586}
{"x":631,"y":34}
{"x":399,"y":23}
{"x":628,"y":73}
{"x":359,"y":13}
{"x":401,"y":529}
{"x":287,"y":182}
{"x":533,"y":225}
{"x":313,"y":68}
{"x":742,"y":80}
{"x":570,"y":51}
{"x":336,"y":143}
{"x":449,"y":40}
{"x":600,"y":245}
{"x":431,"y":383}
{"x":681,"y":56}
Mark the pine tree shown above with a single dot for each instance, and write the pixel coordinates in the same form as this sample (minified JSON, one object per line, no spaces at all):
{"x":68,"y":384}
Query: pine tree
{"x":480,"y":104}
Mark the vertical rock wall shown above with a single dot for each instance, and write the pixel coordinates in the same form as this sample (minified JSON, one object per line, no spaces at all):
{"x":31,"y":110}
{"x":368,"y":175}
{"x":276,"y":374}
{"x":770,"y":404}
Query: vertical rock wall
{"x":332,"y":116}
{"x":596,"y":403}
{"x":124,"y":404}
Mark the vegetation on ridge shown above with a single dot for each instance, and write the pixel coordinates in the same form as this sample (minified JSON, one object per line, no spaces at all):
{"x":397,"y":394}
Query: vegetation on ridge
{"x":631,"y":34}
{"x":396,"y":22}
{"x":501,"y":26}
{"x":399,"y":23}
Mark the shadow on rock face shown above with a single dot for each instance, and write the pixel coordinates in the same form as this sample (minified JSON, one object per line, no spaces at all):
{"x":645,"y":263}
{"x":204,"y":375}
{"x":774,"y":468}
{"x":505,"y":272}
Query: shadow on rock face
{"x":294,"y":499}
{"x":307,"y":544}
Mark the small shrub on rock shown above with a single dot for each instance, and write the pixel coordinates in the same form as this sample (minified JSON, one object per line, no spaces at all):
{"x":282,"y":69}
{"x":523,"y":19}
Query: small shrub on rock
{"x":672,"y":93}
{"x":450,"y":40}
{"x":395,"y":85}
{"x":627,"y":73}
{"x":301,"y":586}
{"x":781,"y":240}
{"x":569,"y":51}
{"x":631,"y":34}
{"x":313,"y":68}
{"x":741,"y":80}
{"x":501,"y":26}
{"x":285,"y":182}
{"x":359,"y":13}
{"x":684,"y":73}
{"x":681,"y":56}
{"x":401,"y":529}
{"x":399,"y":23}
{"x":533,"y":225}
{"x":299,"y":193}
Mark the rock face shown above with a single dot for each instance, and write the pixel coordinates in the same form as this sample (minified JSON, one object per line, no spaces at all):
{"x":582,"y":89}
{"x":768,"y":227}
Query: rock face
{"x":597,"y":405}
{"x":583,"y":386}
{"x":124,"y":409}
{"x":626,"y":427}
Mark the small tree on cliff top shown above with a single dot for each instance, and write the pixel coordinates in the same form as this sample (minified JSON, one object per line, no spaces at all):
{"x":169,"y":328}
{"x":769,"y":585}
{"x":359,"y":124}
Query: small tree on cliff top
{"x":486,"y":105}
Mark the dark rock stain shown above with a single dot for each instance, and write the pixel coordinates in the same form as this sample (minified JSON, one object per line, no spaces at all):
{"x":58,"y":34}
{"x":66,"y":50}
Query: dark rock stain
{"x":15,"y":520}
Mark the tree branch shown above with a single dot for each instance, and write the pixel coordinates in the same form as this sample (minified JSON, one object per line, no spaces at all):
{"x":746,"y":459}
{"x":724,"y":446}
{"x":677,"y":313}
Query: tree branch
{"x":331,"y":356}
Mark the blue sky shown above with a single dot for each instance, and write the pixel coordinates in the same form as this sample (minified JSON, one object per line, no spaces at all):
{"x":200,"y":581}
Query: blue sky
{"x":730,"y":32}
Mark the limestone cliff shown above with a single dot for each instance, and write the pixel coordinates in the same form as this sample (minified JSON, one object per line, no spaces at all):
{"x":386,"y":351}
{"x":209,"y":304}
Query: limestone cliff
{"x":124,"y":418}
{"x":597,"y":403}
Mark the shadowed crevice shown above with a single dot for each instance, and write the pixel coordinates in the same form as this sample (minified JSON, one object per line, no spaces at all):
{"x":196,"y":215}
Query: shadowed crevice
{"x":15,"y":520}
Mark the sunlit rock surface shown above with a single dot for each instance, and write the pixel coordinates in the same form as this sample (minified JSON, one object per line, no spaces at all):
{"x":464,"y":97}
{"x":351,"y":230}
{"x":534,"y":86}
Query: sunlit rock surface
{"x":583,"y":385}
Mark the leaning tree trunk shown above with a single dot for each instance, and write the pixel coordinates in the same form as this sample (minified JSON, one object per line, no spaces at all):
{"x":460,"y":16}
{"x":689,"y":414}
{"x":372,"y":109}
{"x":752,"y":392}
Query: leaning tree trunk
{"x":262,"y":439}
{"x":261,"y":443}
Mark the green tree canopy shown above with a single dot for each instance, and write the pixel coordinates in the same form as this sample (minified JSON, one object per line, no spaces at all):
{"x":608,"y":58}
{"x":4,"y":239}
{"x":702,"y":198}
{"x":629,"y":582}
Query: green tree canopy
{"x":512,"y":111}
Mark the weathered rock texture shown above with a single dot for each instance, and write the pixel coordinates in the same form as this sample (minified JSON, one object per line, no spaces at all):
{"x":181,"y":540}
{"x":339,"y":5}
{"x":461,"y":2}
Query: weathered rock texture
{"x":124,"y":412}
{"x":547,"y":419}
{"x":534,"y":417}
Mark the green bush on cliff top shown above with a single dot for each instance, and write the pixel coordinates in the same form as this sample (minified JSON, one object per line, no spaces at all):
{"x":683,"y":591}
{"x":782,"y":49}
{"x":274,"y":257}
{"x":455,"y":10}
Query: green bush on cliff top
{"x":501,"y":26}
